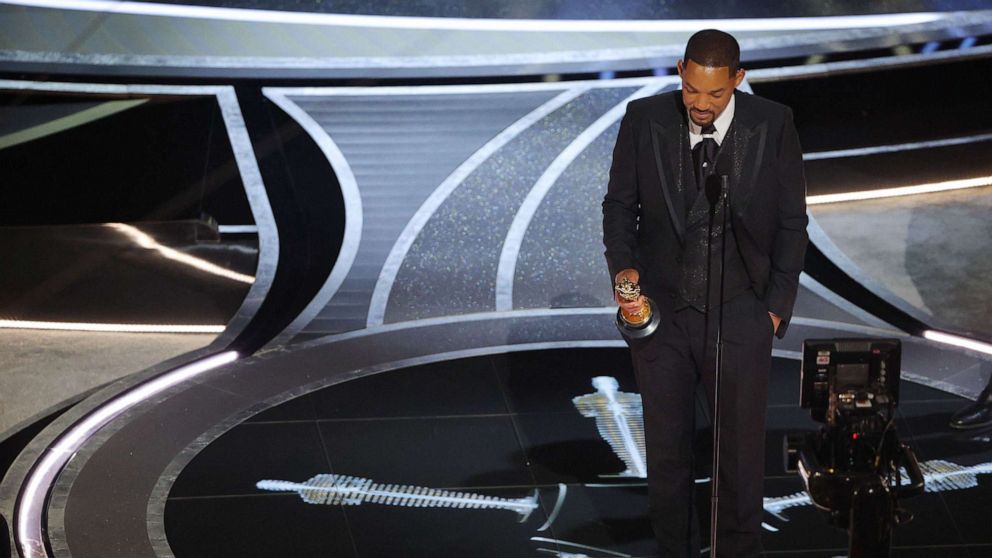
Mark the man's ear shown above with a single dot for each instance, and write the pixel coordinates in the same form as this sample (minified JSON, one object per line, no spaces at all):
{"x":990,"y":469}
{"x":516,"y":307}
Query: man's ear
{"x":739,"y":78}
{"x":679,"y":66}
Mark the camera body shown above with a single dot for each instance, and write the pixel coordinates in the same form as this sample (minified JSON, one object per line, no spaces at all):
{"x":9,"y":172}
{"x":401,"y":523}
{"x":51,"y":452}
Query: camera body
{"x":847,"y":380}
{"x":853,"y":465}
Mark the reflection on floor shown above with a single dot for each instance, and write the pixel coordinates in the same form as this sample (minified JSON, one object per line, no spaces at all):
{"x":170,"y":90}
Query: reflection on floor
{"x":620,"y":421}
{"x":940,"y":475}
{"x":352,"y":491}
{"x":43,"y":368}
{"x":506,"y":425}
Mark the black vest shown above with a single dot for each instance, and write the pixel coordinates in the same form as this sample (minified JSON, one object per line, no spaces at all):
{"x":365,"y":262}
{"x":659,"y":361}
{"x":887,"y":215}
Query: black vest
{"x":692,"y":289}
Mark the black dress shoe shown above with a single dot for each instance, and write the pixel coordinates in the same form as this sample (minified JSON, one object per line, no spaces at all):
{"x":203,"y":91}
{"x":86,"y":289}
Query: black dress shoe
{"x":976,"y":415}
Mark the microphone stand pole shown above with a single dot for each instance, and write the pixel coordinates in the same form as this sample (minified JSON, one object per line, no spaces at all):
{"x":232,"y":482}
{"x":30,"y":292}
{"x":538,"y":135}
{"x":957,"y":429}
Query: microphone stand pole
{"x":715,"y":476}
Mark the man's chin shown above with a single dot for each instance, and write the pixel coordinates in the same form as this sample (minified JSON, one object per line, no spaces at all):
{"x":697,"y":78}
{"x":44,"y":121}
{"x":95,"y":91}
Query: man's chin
{"x":699,"y":122}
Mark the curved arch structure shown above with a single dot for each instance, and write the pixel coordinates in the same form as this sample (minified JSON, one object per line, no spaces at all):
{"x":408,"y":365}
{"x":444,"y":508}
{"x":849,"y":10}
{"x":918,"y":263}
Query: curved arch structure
{"x":251,"y":43}
{"x":352,"y":212}
{"x":162,"y":418}
{"x":518,"y":228}
{"x":23,"y":496}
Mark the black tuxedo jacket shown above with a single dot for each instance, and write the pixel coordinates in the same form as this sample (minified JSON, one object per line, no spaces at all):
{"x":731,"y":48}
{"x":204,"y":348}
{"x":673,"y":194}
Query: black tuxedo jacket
{"x":644,"y":208}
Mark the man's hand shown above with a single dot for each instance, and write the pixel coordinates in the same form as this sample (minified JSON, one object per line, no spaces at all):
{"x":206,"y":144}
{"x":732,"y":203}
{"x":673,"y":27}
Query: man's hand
{"x":775,"y":321}
{"x":630,"y":307}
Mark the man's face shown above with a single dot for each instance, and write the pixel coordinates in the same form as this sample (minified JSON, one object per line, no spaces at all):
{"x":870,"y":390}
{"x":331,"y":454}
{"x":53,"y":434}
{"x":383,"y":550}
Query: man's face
{"x":706,"y":91}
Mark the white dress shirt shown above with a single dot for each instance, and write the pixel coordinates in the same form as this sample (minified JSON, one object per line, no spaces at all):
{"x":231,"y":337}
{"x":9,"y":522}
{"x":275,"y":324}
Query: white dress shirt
{"x":722,"y":125}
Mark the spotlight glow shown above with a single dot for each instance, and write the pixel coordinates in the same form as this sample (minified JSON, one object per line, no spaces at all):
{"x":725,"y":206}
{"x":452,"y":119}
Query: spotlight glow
{"x":142,"y":239}
{"x":110,"y":328}
{"x":901,"y":191}
{"x":486,"y":24}
{"x":958,"y":341}
{"x":30,"y":508}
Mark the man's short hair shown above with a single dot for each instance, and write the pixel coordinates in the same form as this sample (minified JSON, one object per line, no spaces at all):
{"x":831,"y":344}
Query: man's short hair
{"x":714,"y":49}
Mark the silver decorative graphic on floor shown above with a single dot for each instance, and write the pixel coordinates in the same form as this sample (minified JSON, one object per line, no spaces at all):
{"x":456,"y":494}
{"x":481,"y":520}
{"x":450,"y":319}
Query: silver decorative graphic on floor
{"x":939,"y":475}
{"x":563,"y":554}
{"x":620,"y":421}
{"x":342,"y":490}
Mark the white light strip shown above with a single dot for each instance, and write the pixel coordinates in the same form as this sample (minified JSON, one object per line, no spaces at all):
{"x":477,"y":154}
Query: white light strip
{"x":486,"y":24}
{"x":860,"y":66}
{"x":234,"y":229}
{"x":111,"y":328}
{"x":957,"y":341}
{"x":896,"y":148}
{"x":901,"y":191}
{"x":560,"y":542}
{"x":145,"y":241}
{"x":78,"y":118}
{"x":30,"y":510}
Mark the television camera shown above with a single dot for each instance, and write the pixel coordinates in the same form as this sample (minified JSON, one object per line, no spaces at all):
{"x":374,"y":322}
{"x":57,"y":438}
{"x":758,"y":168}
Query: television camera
{"x":854,"y":467}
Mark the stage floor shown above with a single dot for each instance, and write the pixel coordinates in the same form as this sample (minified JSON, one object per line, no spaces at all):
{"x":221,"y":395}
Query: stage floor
{"x":505,"y":425}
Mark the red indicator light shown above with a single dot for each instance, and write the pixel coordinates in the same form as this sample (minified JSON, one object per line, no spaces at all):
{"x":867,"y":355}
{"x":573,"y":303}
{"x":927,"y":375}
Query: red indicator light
{"x":854,"y":436}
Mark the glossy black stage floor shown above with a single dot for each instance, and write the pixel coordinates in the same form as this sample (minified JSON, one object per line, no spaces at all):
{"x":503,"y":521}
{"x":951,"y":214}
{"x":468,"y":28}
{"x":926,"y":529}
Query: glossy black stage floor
{"x":504,"y":426}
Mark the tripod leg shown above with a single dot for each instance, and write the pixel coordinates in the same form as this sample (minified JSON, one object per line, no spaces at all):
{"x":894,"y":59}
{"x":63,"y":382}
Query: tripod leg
{"x":871,"y":521}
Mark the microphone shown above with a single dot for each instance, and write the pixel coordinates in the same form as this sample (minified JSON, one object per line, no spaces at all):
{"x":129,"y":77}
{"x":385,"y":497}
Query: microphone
{"x":714,"y":184}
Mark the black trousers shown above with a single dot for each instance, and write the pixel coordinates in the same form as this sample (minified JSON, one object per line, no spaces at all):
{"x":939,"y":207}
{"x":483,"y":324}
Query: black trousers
{"x":669,"y":367}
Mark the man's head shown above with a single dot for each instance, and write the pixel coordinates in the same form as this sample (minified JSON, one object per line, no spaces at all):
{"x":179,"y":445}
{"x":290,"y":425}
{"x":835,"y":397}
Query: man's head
{"x":710,"y":71}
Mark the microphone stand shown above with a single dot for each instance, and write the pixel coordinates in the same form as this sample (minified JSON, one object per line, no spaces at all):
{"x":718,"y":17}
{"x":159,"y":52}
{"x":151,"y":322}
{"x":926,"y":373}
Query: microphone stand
{"x":715,"y":185}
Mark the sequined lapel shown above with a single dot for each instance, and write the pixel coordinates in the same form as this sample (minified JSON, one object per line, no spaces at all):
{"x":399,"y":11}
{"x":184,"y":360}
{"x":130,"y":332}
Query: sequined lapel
{"x":745,"y":148}
{"x":667,"y":143}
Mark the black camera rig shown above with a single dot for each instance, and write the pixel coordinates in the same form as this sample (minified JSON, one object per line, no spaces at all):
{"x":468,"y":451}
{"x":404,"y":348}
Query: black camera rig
{"x":854,"y":466}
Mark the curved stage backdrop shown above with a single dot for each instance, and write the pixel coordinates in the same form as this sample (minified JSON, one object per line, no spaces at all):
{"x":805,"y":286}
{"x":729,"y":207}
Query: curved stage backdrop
{"x":378,"y":226}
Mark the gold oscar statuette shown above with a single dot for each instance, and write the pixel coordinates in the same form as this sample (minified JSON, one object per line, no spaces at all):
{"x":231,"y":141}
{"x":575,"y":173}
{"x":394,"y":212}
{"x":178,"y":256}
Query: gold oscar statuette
{"x":639,"y":324}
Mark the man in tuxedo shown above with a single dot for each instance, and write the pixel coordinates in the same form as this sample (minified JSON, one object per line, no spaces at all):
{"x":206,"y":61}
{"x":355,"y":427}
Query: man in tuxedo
{"x":656,"y":219}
